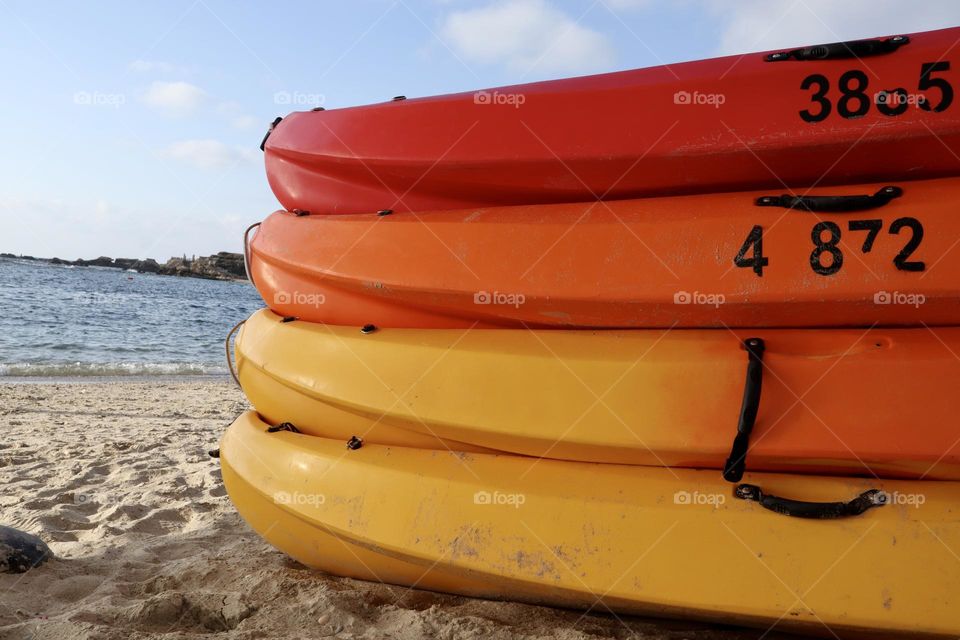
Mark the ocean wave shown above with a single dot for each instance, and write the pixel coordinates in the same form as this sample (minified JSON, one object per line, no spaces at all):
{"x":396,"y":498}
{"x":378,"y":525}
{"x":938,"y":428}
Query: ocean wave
{"x":81,"y":369}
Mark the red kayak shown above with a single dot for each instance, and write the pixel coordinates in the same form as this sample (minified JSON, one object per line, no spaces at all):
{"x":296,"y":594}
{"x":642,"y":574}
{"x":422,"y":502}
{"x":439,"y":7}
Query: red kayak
{"x":862,"y":111}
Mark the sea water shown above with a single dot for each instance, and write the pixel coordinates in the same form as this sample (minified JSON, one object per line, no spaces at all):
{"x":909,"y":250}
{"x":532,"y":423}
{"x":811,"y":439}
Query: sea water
{"x":60,"y":321}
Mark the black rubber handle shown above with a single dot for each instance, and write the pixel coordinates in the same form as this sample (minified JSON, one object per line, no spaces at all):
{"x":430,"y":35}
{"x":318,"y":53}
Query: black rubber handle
{"x":737,"y":462}
{"x":273,"y":125}
{"x":835,"y":204}
{"x":814,"y":510}
{"x":841,"y":50}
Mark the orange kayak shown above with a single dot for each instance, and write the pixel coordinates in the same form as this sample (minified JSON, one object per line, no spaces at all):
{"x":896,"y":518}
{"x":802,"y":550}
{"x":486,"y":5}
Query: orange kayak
{"x":875,"y":110}
{"x":862,"y":255}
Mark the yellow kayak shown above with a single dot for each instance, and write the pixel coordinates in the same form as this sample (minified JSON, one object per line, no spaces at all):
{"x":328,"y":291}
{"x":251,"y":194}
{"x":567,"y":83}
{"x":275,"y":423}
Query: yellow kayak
{"x":830,"y":402}
{"x":645,"y":540}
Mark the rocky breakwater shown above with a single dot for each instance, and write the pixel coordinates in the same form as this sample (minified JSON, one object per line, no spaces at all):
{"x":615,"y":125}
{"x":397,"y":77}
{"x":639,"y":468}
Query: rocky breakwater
{"x":221,"y":266}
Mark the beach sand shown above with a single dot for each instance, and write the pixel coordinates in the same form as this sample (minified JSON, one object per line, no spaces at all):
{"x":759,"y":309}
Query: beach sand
{"x":116,"y":477}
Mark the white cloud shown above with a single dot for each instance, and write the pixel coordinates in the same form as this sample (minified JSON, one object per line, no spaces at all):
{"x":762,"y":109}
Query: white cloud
{"x":527,"y":35}
{"x":758,"y":25}
{"x":234,"y":114}
{"x":626,"y":4}
{"x":148,"y":66}
{"x":207,"y":154}
{"x":178,"y":98}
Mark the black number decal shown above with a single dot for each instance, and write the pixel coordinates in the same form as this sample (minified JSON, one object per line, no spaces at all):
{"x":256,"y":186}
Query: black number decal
{"x":892,"y":103}
{"x":856,"y":94}
{"x":872,"y":227}
{"x":926,"y":82}
{"x":830,"y":246}
{"x":901,"y":260}
{"x":754,"y":241}
{"x":819,"y":96}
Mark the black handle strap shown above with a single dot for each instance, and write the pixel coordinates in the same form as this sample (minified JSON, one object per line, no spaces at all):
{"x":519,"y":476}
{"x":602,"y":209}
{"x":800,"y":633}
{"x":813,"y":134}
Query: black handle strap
{"x":841,"y":50}
{"x":273,"y":125}
{"x":815,"y":510}
{"x":736,"y":463}
{"x":837,"y":204}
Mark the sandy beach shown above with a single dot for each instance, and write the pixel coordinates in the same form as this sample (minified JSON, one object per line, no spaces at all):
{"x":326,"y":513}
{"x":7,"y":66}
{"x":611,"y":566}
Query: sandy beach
{"x":117,"y":478}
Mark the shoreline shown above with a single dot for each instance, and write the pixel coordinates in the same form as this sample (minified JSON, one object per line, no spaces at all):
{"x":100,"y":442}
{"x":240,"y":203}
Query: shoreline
{"x":137,"y":378}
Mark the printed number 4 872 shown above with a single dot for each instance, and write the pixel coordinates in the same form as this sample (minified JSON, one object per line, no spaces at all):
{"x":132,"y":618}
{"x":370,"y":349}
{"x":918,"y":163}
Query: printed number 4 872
{"x":826,"y":258}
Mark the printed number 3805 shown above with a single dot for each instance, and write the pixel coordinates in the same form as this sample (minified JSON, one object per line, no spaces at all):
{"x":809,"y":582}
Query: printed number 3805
{"x":854,"y":101}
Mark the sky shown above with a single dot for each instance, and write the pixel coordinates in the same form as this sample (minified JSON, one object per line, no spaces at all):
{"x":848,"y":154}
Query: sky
{"x":132,"y":129}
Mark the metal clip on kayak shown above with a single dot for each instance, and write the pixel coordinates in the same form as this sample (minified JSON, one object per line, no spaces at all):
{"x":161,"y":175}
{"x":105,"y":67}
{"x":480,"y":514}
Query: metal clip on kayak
{"x":246,"y":252}
{"x":836,"y":204}
{"x":840,"y":50}
{"x":226,"y":344}
{"x":736,"y":463}
{"x":814,"y":510}
{"x":273,"y":125}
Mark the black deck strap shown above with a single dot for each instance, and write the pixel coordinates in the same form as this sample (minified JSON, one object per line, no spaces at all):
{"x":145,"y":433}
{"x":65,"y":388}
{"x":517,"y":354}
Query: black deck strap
{"x":736,"y":463}
{"x":841,"y":50}
{"x":283,"y":426}
{"x":832,"y":204}
{"x":273,"y":125}
{"x":814,"y":510}
{"x":354,"y":443}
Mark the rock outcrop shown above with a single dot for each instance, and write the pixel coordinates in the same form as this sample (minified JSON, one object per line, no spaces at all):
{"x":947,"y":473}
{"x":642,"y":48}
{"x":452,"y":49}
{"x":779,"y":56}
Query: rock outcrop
{"x":221,"y":266}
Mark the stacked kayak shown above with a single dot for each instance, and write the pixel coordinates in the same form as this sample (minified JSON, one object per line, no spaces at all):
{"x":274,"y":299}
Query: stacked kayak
{"x":730,"y":259}
{"x":676,"y":341}
{"x":877,"y":110}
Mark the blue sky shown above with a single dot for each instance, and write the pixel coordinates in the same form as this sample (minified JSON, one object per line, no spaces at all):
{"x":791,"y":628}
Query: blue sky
{"x":131,"y":128}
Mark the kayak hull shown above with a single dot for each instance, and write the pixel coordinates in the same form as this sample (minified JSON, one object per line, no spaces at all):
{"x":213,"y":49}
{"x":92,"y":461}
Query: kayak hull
{"x":631,"y":539}
{"x":724,"y":124}
{"x":658,"y":262}
{"x":851,"y":402}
